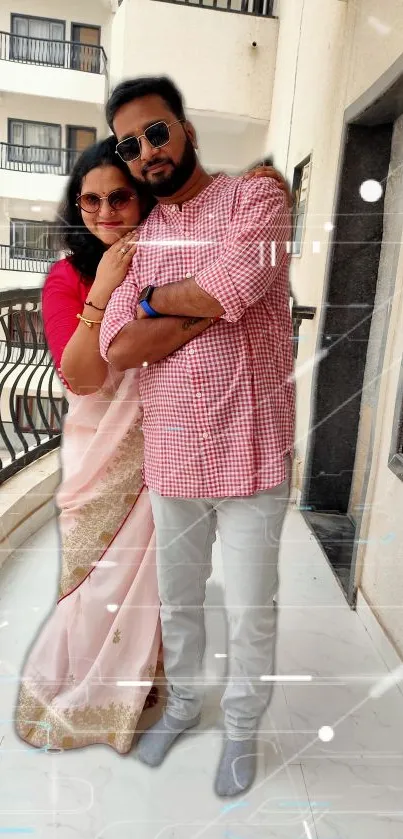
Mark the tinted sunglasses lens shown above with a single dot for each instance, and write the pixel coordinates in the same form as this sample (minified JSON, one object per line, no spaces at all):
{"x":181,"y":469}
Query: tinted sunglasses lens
{"x":128,"y":149}
{"x":158,"y":134}
{"x":89,"y":202}
{"x":119,"y":198}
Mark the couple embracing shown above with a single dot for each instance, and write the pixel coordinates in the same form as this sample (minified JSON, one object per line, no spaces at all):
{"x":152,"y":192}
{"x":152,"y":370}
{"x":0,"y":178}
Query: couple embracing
{"x":169,"y":324}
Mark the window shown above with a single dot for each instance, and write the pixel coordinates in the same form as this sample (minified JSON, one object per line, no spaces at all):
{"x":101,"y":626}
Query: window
{"x":47,"y":408}
{"x":33,"y":239}
{"x":34,"y":142}
{"x":37,"y":40}
{"x":300,"y":187}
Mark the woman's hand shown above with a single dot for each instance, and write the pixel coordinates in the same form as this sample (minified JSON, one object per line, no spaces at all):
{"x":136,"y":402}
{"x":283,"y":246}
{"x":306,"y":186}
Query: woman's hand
{"x":114,"y":264}
{"x":262,"y":171}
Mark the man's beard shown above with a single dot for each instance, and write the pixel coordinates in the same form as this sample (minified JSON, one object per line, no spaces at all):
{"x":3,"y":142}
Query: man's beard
{"x":163,"y":186}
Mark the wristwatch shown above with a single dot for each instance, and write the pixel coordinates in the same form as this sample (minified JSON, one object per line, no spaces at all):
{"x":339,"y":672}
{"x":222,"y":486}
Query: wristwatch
{"x":144,"y":301}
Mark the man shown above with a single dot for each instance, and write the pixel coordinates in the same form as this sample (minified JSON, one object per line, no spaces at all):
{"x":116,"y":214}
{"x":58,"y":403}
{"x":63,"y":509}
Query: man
{"x":218,"y":413}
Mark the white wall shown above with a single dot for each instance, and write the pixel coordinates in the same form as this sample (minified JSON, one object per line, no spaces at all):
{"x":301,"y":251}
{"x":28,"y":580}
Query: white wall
{"x":208,"y":53}
{"x":20,"y":279}
{"x":378,"y":28}
{"x":52,"y":81}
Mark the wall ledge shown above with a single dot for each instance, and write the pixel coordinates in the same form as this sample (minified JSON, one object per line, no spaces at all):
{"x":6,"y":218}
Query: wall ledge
{"x":27,"y":502}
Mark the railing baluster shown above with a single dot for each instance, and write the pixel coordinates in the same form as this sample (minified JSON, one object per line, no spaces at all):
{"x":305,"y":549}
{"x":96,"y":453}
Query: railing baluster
{"x":30,"y":376}
{"x":53,"y":161}
{"x":33,"y":425}
{"x":258,"y":8}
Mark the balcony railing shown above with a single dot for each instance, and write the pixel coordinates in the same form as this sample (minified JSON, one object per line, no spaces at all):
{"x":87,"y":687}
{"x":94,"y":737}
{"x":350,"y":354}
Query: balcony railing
{"x":47,"y":161}
{"x":31,"y":414}
{"x":70,"y":55}
{"x":23,"y":258}
{"x":259,"y":8}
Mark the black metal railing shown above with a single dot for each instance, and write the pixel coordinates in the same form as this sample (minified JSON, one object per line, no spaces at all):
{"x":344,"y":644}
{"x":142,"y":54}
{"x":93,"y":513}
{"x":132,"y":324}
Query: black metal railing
{"x":37,"y":159}
{"x":70,"y":55}
{"x":23,"y":258}
{"x":259,"y":8}
{"x":31,"y":414}
{"x":300,"y":313}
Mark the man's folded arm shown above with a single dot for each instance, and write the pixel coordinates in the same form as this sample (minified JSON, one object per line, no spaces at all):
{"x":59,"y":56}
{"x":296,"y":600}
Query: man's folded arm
{"x":256,"y":252}
{"x":126,"y":342}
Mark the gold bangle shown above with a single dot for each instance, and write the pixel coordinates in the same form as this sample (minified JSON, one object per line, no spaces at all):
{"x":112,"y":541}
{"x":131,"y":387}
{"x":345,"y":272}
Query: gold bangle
{"x":87,"y":321}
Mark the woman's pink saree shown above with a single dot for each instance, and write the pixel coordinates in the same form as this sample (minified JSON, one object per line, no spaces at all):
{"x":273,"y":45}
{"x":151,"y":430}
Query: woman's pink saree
{"x":88,"y":675}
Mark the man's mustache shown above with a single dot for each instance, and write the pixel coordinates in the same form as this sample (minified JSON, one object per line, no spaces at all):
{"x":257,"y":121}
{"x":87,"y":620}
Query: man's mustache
{"x":155,"y":163}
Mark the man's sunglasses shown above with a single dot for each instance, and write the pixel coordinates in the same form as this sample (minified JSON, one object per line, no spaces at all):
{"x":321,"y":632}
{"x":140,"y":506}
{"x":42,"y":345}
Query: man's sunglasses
{"x":157,"y":135}
{"x":118,"y":199}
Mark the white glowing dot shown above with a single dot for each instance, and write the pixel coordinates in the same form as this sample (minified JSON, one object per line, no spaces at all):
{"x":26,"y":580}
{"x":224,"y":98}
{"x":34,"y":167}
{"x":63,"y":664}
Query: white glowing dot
{"x":112,"y":607}
{"x":371,"y":191}
{"x":326,"y":733}
{"x":145,"y":363}
{"x":328,"y":226}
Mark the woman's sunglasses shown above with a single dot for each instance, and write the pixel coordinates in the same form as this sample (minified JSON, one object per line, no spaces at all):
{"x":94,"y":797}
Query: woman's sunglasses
{"x":157,"y":135}
{"x":90,"y":202}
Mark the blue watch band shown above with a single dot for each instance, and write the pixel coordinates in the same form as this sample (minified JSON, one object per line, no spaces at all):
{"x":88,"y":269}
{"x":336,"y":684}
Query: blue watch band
{"x":149,"y":310}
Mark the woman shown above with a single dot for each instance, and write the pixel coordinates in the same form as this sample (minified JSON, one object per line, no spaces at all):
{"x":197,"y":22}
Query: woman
{"x":88,"y":676}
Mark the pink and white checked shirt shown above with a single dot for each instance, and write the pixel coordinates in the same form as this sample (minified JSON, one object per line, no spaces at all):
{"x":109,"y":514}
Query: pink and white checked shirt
{"x":219,"y":412}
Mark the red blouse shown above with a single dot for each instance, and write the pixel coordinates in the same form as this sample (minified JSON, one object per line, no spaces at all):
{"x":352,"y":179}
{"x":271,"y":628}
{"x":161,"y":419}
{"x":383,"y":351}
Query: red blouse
{"x":63,"y":297}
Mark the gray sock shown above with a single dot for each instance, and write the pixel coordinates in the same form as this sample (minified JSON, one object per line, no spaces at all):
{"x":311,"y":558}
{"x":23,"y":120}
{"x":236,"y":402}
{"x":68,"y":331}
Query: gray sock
{"x":237,"y":768}
{"x":154,"y":744}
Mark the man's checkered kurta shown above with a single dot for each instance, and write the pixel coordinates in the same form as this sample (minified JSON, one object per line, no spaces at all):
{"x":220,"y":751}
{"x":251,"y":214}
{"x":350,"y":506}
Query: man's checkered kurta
{"x":219,"y":412}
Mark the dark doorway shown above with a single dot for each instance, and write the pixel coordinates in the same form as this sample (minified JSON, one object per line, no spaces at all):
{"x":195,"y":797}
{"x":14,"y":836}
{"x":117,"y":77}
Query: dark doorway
{"x":346,"y":323}
{"x":85,"y":52}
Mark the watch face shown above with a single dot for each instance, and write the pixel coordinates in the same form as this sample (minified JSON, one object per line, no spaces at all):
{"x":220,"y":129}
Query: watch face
{"x":146,"y":293}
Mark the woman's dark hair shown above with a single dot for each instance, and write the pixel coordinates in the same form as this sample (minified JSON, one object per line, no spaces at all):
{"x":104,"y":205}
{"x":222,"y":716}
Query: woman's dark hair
{"x":84,"y":250}
{"x":145,"y":86}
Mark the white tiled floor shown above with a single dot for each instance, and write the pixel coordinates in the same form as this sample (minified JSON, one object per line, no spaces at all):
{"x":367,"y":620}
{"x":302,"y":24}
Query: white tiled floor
{"x":348,"y":788}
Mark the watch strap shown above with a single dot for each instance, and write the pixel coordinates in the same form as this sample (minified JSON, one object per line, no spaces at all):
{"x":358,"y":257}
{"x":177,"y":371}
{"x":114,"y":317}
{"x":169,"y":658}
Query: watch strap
{"x":149,"y":309}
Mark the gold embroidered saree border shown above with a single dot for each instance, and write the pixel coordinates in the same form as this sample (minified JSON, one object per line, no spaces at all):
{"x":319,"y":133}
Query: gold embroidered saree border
{"x":99,"y":521}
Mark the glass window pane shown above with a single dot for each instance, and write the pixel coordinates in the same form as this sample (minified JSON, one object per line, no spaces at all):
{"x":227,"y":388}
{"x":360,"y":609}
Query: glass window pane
{"x":39,"y":28}
{"x":20,"y":26}
{"x":57,"y":31}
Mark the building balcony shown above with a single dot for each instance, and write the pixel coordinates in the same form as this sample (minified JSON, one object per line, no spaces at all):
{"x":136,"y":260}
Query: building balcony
{"x":48,"y":68}
{"x":233,"y":75}
{"x":24,"y":267}
{"x":48,"y":169}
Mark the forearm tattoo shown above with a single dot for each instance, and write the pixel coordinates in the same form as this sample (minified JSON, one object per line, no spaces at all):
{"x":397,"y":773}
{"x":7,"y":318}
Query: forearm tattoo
{"x":189,"y":322}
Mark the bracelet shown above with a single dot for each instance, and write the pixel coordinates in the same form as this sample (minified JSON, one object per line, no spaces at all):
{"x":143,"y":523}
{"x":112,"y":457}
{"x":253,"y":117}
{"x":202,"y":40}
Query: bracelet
{"x":87,"y":321}
{"x":88,"y":303}
{"x":149,"y":310}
